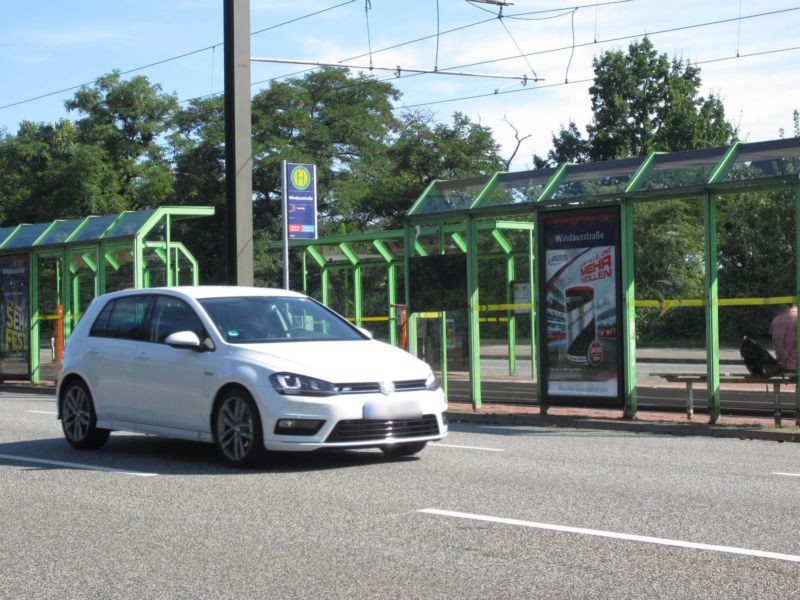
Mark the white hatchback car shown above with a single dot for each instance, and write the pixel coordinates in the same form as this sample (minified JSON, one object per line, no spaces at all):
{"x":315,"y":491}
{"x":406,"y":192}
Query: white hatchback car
{"x":249,"y":369}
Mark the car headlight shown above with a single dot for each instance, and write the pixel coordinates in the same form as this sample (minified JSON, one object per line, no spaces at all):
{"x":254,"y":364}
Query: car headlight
{"x":431,"y":383}
{"x":291,"y":384}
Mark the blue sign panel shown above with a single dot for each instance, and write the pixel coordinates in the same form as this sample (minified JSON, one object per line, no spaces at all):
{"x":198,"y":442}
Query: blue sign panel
{"x":301,"y":201}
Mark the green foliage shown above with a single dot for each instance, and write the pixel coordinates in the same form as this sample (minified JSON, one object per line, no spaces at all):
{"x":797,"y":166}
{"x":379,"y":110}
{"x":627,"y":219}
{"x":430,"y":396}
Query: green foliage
{"x":642,"y":102}
{"x":127,"y":120}
{"x":198,"y":146}
{"x":668,"y":249}
{"x":371,"y":166}
{"x":48,"y":173}
{"x":757,"y":245}
{"x":425,"y":151}
{"x":109,"y":160}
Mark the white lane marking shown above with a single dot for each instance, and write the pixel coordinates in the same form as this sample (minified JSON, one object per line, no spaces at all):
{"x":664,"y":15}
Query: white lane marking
{"x":59,"y":463}
{"x":788,"y":474}
{"x":467,"y":447}
{"x":615,"y":535}
{"x":43,"y":412}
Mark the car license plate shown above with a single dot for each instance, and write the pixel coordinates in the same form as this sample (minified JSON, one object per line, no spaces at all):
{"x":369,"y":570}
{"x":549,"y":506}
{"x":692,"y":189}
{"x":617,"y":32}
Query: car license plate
{"x":383,"y":409}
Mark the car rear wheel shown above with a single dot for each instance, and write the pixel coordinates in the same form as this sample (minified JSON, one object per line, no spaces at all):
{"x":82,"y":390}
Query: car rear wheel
{"x":407,"y":449}
{"x":237,"y":428}
{"x":78,"y":419}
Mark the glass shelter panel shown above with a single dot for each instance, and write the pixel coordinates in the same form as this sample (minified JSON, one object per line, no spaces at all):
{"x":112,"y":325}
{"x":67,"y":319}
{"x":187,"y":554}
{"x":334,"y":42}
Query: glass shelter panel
{"x":60,"y":232}
{"x":451,"y":195}
{"x":93,"y":228}
{"x":155,"y":267}
{"x":128,"y":224}
{"x":427,"y":241}
{"x":118,"y":264}
{"x":765,"y":159}
{"x":595,"y":179}
{"x":26,"y":236}
{"x":682,"y":169}
{"x":517,"y":188}
{"x":4,"y":233}
{"x":752,"y":291}
{"x":83,"y":263}
{"x":184,"y":274}
{"x":340,"y":292}
{"x":375,"y":301}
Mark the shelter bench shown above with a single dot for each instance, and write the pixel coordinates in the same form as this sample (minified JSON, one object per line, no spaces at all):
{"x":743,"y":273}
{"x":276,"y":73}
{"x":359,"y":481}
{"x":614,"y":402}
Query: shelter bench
{"x":689,"y":379}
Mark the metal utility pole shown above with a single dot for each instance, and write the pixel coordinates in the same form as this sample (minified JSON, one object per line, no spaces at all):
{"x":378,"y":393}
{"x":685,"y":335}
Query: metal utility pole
{"x":238,"y":147}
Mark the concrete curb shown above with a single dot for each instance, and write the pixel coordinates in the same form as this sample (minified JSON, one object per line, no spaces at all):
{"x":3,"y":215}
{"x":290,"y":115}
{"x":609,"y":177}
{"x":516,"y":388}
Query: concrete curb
{"x":576,"y":422}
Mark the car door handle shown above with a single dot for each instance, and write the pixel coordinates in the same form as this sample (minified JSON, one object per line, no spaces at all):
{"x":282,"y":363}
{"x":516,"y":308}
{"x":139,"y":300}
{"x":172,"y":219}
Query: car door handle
{"x":94,"y":350}
{"x":143,"y":355}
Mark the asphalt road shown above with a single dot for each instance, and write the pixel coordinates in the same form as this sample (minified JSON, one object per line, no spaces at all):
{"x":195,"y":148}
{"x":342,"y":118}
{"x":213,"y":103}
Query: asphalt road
{"x":490,"y":512}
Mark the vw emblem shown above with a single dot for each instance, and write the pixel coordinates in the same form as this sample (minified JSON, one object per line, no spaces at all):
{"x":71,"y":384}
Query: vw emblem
{"x":387,"y":387}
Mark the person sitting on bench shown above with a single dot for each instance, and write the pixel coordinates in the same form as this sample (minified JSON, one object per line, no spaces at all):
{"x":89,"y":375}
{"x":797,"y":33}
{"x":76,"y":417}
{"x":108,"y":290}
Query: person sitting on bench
{"x":783,"y":330}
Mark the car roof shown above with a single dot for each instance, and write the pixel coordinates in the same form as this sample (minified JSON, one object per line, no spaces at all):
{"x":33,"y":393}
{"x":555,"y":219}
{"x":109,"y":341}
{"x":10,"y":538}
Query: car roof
{"x":212,"y":291}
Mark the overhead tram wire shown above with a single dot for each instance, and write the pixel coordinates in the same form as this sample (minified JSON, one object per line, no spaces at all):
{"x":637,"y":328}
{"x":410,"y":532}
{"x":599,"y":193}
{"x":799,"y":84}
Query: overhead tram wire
{"x":587,"y":80}
{"x":214,"y":46}
{"x":629,"y":37}
{"x":595,"y":42}
{"x":571,"y":48}
{"x":454,"y":30}
{"x":517,"y":15}
{"x":615,"y":39}
{"x":173,"y":58}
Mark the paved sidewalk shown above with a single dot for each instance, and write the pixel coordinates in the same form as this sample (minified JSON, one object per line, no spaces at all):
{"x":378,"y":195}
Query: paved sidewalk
{"x":666,"y":423}
{"x":495,"y":349}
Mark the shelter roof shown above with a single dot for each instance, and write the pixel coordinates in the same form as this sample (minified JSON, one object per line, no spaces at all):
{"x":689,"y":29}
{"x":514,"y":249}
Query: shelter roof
{"x":741,"y":166}
{"x":91,"y":229}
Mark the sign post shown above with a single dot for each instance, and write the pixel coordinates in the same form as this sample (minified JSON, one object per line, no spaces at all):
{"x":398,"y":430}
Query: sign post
{"x":299,"y":185}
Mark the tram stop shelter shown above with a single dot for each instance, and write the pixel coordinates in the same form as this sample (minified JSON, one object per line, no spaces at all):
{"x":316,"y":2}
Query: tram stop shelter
{"x":49,"y":272}
{"x":485,"y":248}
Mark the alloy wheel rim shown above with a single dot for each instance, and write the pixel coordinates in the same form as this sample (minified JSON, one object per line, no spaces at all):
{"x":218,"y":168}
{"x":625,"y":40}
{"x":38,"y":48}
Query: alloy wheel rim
{"x":235,"y":428}
{"x":77,"y":414}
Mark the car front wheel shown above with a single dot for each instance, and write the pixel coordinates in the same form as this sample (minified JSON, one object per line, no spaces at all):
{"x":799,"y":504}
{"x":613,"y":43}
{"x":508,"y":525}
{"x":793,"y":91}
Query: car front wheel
{"x":407,"y":449}
{"x":78,"y":419}
{"x":237,"y":428}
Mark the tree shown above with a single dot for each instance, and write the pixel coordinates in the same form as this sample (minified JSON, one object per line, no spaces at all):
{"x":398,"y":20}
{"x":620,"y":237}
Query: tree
{"x":128,"y":119}
{"x":48,"y":174}
{"x":198,"y":146}
{"x":643,"y":102}
{"x":342,"y":124}
{"x":132,"y":147}
{"x":371,"y":165}
{"x":426,"y":150}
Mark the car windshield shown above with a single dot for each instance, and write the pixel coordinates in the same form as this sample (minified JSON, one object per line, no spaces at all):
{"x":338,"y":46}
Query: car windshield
{"x":259,"y":319}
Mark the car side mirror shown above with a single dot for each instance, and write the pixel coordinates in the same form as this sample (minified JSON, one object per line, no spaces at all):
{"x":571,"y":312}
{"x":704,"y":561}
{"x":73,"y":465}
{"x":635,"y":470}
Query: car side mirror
{"x":366,"y":332}
{"x":184,"y":339}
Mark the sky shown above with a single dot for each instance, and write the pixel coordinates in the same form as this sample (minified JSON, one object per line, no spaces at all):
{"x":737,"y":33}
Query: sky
{"x":747,"y":50}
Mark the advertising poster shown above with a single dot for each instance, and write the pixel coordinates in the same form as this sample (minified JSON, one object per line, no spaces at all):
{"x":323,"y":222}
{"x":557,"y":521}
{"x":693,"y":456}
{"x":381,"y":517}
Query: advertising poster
{"x":581,"y":361}
{"x":301,"y":201}
{"x":14,"y":318}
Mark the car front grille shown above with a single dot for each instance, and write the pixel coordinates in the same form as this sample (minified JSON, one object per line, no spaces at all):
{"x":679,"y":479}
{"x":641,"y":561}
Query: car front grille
{"x":366,"y":430}
{"x":409,"y":385}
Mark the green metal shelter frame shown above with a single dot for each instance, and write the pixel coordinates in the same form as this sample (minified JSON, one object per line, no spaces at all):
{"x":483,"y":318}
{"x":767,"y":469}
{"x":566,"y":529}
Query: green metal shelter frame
{"x":78,"y":259}
{"x":458,"y":215}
